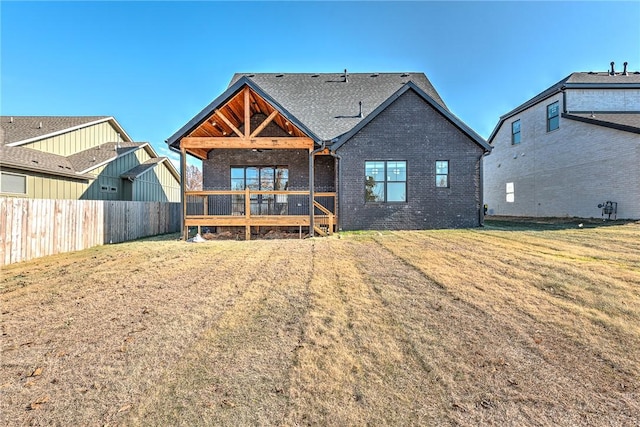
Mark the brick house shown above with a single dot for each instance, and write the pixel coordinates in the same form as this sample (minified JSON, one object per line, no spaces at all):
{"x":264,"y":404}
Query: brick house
{"x":364,"y":150}
{"x":574,"y":146}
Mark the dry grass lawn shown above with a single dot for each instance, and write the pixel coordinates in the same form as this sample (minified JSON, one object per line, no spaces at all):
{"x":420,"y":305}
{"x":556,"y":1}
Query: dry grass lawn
{"x":513,"y":324}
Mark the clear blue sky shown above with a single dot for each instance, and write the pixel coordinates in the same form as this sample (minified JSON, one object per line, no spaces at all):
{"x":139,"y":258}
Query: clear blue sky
{"x":154,"y":65}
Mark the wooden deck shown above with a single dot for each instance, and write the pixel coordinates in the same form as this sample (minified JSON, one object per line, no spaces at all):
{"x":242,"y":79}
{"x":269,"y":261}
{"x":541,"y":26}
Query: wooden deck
{"x":231,"y":208}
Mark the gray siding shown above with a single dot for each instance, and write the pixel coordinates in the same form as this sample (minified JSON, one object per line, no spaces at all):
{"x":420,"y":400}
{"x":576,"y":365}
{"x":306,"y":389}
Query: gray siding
{"x":563,"y":173}
{"x":410,"y":129}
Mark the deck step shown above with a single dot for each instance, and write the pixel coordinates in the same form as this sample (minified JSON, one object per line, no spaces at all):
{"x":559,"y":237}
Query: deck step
{"x":320,"y":231}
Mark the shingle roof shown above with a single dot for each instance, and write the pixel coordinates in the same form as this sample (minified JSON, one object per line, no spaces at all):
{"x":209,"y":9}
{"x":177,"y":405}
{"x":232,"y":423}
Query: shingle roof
{"x":140,"y":169}
{"x":38,"y":161}
{"x":328,"y":105}
{"x":629,"y":122}
{"x":21,"y":128}
{"x":93,"y":157}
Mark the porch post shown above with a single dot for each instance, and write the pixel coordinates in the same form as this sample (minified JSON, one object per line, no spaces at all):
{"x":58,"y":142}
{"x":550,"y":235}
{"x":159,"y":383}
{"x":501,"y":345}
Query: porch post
{"x":183,"y":189}
{"x":311,"y":195}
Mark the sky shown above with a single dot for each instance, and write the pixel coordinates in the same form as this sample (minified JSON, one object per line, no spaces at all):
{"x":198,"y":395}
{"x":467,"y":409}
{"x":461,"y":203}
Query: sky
{"x":155,"y":65}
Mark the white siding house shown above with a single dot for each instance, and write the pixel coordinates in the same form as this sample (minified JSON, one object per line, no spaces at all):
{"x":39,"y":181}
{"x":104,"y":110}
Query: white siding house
{"x":572,"y":147}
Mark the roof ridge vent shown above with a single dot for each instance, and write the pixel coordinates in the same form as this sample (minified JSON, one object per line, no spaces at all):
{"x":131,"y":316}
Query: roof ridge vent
{"x":624,"y":72}
{"x":613,"y":71}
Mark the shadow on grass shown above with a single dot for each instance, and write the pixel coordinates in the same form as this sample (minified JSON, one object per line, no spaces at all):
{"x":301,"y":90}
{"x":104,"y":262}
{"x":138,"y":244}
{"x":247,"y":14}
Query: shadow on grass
{"x":540,"y":224}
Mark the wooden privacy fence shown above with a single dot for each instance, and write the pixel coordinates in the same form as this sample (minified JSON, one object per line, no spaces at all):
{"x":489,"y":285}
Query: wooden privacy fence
{"x":32,"y":228}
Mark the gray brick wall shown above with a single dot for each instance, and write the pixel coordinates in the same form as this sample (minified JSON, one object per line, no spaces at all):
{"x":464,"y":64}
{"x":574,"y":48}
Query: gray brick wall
{"x":563,"y":173}
{"x":410,"y":129}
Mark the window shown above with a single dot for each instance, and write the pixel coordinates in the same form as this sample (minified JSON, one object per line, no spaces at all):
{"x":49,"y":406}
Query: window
{"x":511,"y":192}
{"x":553,"y":117}
{"x":385,"y":181}
{"x":515,"y":132}
{"x":267,"y":178}
{"x":108,"y":189}
{"x":442,"y":173}
{"x":13,"y":183}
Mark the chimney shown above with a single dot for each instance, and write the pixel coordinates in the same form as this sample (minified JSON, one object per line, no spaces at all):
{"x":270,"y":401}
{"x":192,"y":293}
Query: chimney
{"x":612,"y":72}
{"x":345,"y":76}
{"x":360,"y":114}
{"x":624,"y":72}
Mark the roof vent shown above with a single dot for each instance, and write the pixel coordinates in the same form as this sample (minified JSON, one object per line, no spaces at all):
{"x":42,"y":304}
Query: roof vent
{"x":40,"y":125}
{"x":345,"y":77}
{"x":405,"y":75}
{"x":624,"y":72}
{"x":11,"y":119}
{"x":251,"y":75}
{"x":360,"y":113}
{"x":315,"y":75}
{"x":612,"y":72}
{"x":279,"y":75}
{"x":375,"y":75}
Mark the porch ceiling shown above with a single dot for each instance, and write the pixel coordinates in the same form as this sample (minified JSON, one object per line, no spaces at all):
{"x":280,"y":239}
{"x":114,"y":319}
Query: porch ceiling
{"x":229,"y":126}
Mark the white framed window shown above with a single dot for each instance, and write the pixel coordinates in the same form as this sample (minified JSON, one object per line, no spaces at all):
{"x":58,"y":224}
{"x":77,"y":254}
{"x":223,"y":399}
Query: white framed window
{"x":511,"y":192}
{"x":13,"y":183}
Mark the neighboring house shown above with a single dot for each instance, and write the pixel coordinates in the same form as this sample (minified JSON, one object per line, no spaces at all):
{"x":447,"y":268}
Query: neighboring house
{"x":87,"y":158}
{"x":569,"y":149}
{"x":366,"y":150}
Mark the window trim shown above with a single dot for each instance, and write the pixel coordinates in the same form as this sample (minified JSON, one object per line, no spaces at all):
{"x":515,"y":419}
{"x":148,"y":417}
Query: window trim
{"x":557,"y":115}
{"x":519,"y":133}
{"x":26,"y":186}
{"x":448,"y":174}
{"x":386,"y":181}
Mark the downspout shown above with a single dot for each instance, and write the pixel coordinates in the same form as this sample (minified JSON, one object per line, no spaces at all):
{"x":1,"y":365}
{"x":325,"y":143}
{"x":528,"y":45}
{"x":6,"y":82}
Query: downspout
{"x":311,"y":189}
{"x":481,"y":190}
{"x":339,"y":203}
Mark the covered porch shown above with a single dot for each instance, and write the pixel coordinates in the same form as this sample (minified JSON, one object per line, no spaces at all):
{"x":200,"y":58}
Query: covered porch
{"x":260,"y":169}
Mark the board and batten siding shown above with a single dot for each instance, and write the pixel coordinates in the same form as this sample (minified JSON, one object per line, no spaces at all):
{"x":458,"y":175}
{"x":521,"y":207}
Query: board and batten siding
{"x":77,"y":140}
{"x":31,"y":228}
{"x":43,"y":186}
{"x":157,"y":184}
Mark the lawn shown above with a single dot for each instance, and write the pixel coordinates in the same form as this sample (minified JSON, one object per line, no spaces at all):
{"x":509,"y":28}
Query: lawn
{"x":513,"y":324}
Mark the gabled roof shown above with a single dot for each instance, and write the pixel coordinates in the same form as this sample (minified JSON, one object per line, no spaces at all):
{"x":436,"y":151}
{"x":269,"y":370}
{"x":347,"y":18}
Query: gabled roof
{"x":327,"y":106}
{"x":233,"y":90}
{"x":142,"y":168}
{"x":89,"y":159}
{"x":578,"y":80}
{"x":18,"y":130}
{"x":412,"y":86}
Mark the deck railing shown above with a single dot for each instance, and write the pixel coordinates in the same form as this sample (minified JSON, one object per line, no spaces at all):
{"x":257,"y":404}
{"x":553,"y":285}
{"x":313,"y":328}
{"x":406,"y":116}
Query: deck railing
{"x":259,"y":208}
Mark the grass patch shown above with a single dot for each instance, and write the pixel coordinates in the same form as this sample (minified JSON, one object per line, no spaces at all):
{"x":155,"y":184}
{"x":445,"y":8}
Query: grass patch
{"x":517,"y":323}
